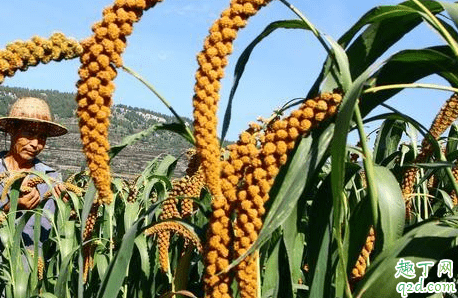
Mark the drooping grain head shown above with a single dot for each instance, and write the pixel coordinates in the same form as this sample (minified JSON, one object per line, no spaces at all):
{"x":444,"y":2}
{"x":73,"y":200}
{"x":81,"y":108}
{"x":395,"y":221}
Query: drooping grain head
{"x":20,"y":55}
{"x":101,"y":54}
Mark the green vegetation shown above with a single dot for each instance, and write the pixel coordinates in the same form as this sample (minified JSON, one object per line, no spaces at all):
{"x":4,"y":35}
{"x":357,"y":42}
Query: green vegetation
{"x":330,"y":226}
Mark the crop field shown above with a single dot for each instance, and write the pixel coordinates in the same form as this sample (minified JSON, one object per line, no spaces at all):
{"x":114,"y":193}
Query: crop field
{"x":291,"y":209}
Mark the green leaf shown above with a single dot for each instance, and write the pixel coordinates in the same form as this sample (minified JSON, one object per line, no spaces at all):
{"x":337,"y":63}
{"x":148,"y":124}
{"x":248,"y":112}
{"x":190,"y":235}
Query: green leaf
{"x":388,"y":24}
{"x":409,"y":66}
{"x":294,"y":242}
{"x":64,"y":271}
{"x":360,"y":223}
{"x":271,"y":274}
{"x":48,"y":295}
{"x":132,"y":139}
{"x":388,"y":137}
{"x":427,"y":242}
{"x":446,"y":199}
{"x":452,"y":10}
{"x":342,"y":64}
{"x":131,"y":211}
{"x":112,"y":281}
{"x":88,"y":201}
{"x":339,"y":141}
{"x":101,"y":263}
{"x":20,"y":286}
{"x":391,"y":208}
{"x":319,"y":245}
{"x":164,"y":168}
{"x":433,"y":165}
{"x":385,"y":25}
{"x":452,"y":140}
{"x":140,"y":243}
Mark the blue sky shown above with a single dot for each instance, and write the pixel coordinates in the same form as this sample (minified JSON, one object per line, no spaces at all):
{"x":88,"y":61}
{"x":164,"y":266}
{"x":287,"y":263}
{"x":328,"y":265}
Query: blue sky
{"x":165,"y":42}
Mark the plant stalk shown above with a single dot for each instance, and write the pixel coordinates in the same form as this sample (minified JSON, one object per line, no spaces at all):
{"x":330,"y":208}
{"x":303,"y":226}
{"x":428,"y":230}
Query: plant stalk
{"x":414,"y":85}
{"x":368,"y":164}
{"x":161,"y":98}
{"x":435,"y":23}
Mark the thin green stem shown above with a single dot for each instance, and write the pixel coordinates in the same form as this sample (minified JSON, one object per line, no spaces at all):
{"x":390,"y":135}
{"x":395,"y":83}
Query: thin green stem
{"x":424,"y":197}
{"x":340,"y":242}
{"x":309,"y":24}
{"x":414,"y":85}
{"x":343,"y":267}
{"x":368,"y":166}
{"x":450,"y":174}
{"x":110,"y":227}
{"x":161,"y":98}
{"x":435,"y":23}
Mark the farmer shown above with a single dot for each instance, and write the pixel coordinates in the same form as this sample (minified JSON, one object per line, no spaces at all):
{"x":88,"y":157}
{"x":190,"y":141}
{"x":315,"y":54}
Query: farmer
{"x":30,"y":123}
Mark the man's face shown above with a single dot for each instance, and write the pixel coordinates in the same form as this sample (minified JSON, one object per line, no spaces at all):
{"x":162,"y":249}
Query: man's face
{"x":28,"y":141}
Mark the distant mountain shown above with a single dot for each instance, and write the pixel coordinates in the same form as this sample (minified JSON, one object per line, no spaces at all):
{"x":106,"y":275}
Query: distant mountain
{"x":65,"y":153}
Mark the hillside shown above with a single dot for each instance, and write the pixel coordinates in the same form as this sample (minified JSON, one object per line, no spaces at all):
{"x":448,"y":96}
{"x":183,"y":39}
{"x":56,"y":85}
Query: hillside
{"x":64,"y":153}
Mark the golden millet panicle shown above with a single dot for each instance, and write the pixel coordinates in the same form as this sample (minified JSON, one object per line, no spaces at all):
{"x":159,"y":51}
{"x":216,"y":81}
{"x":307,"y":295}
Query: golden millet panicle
{"x":2,"y":217}
{"x":90,"y":222}
{"x":280,"y":139}
{"x":163,"y":243}
{"x":242,"y":156}
{"x":132,"y":189}
{"x":73,"y":188}
{"x":101,"y":53}
{"x":446,"y":116}
{"x":354,"y":156}
{"x":88,"y":260}
{"x":194,"y":184}
{"x":88,"y":249}
{"x":443,"y":120}
{"x":361,"y":264}
{"x":454,"y":198}
{"x":35,"y":180}
{"x":193,"y":162}
{"x":169,"y":210}
{"x":41,"y":267}
{"x":9,"y":182}
{"x":169,"y":207}
{"x":407,"y":187}
{"x":175,"y":227}
{"x":31,"y":183}
{"x":40,"y":264}
{"x":193,"y":188}
{"x":19,"y":55}
{"x":186,"y":187}
{"x":212,"y":60}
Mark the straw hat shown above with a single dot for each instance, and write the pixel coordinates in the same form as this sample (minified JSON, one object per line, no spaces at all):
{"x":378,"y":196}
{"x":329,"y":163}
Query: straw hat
{"x":33,"y":110}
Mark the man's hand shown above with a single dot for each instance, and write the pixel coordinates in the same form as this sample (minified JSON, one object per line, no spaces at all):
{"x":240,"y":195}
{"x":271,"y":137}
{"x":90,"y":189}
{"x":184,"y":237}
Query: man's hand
{"x":29,"y":200}
{"x":57,"y":191}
